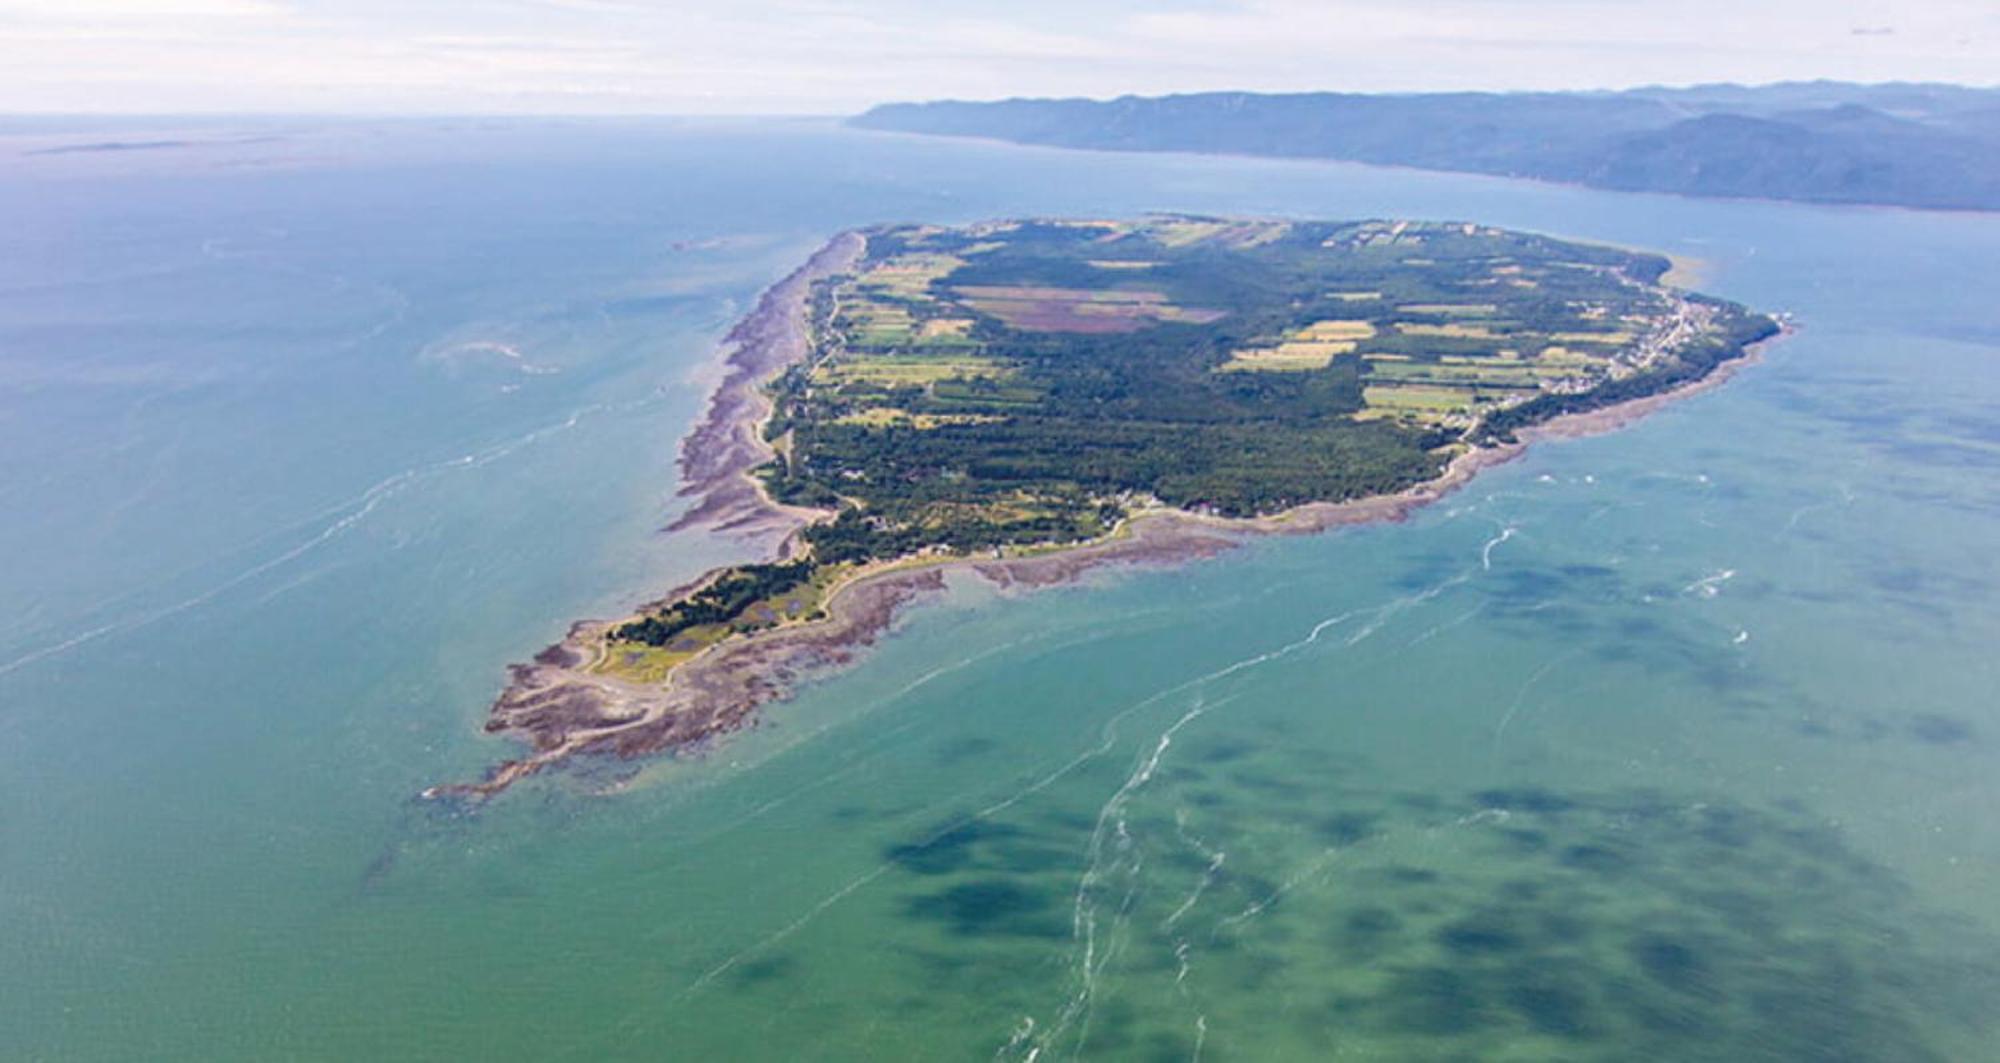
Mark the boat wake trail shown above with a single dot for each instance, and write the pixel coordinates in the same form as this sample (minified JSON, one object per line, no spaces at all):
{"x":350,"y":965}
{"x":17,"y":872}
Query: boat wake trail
{"x":1112,"y":879}
{"x":1846,"y":498}
{"x":1521,"y":695}
{"x":1486,"y":552}
{"x":1110,"y":883}
{"x":339,"y":519}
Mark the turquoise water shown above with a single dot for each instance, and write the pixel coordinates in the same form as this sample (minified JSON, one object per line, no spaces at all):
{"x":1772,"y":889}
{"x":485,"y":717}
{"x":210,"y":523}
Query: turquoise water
{"x":1678,"y":743}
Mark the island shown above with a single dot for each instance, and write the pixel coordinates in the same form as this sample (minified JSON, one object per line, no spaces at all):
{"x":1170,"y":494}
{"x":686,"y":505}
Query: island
{"x":1025,"y":399}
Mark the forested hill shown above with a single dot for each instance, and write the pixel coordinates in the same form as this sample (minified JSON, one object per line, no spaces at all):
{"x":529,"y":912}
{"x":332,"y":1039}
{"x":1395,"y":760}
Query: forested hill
{"x":1930,"y":146}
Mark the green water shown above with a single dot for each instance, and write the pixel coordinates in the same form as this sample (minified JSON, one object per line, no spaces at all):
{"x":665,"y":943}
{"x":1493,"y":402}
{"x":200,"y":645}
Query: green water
{"x":1677,"y":743}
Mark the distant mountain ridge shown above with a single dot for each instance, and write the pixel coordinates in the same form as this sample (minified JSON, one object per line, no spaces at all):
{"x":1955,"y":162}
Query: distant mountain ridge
{"x":1912,"y":145}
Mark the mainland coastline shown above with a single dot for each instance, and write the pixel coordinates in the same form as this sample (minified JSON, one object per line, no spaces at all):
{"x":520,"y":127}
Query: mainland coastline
{"x":562,"y":706}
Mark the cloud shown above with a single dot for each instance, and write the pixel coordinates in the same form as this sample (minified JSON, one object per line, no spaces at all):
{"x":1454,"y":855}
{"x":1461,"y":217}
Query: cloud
{"x":100,"y":11}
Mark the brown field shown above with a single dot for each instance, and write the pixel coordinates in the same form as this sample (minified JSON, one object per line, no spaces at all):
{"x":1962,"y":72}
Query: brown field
{"x":1039,"y":309}
{"x":1035,"y":293}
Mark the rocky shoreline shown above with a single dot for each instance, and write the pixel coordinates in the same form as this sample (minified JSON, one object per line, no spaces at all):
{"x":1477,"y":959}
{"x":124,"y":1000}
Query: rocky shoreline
{"x":718,"y":455}
{"x":563,"y":709}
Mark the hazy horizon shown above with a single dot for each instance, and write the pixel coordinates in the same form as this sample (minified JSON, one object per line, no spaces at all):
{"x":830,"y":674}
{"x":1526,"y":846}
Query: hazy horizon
{"x":830,"y":57}
{"x":251,"y":113}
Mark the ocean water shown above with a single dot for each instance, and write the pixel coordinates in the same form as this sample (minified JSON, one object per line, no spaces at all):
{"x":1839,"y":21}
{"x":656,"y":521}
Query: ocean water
{"x":1675,"y":743}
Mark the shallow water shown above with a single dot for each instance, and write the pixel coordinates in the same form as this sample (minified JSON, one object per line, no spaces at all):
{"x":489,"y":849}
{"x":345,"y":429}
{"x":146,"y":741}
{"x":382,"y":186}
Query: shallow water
{"x":1673,"y":743}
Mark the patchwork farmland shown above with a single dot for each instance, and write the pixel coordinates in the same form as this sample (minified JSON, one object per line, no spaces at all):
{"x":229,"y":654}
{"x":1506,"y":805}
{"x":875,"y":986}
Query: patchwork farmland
{"x":1023,"y":384}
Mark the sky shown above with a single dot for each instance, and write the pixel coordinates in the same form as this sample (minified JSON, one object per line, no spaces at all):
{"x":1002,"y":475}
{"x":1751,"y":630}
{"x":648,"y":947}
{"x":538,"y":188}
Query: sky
{"x":840,"y":56}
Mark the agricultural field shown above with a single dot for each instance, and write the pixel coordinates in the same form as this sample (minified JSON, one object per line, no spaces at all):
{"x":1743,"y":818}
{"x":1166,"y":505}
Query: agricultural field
{"x":1038,"y":309}
{"x":1312,"y":347}
{"x":1168,"y":356}
{"x":1023,"y":383}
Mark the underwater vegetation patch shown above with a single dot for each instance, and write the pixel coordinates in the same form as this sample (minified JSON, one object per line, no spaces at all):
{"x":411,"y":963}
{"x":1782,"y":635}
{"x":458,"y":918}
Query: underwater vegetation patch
{"x":1520,"y":922}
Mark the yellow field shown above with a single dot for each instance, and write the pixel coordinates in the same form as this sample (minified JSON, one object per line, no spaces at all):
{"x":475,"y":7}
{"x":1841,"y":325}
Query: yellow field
{"x":1292,"y":356}
{"x":1337,"y":330}
{"x":1312,"y":347}
{"x":909,"y":275}
{"x":945,"y":328}
{"x":1180,"y":232}
{"x":1610,"y":338}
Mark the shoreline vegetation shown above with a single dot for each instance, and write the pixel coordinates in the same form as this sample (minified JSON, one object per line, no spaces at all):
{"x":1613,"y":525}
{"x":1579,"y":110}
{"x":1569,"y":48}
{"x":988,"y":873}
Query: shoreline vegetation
{"x":691,"y":666}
